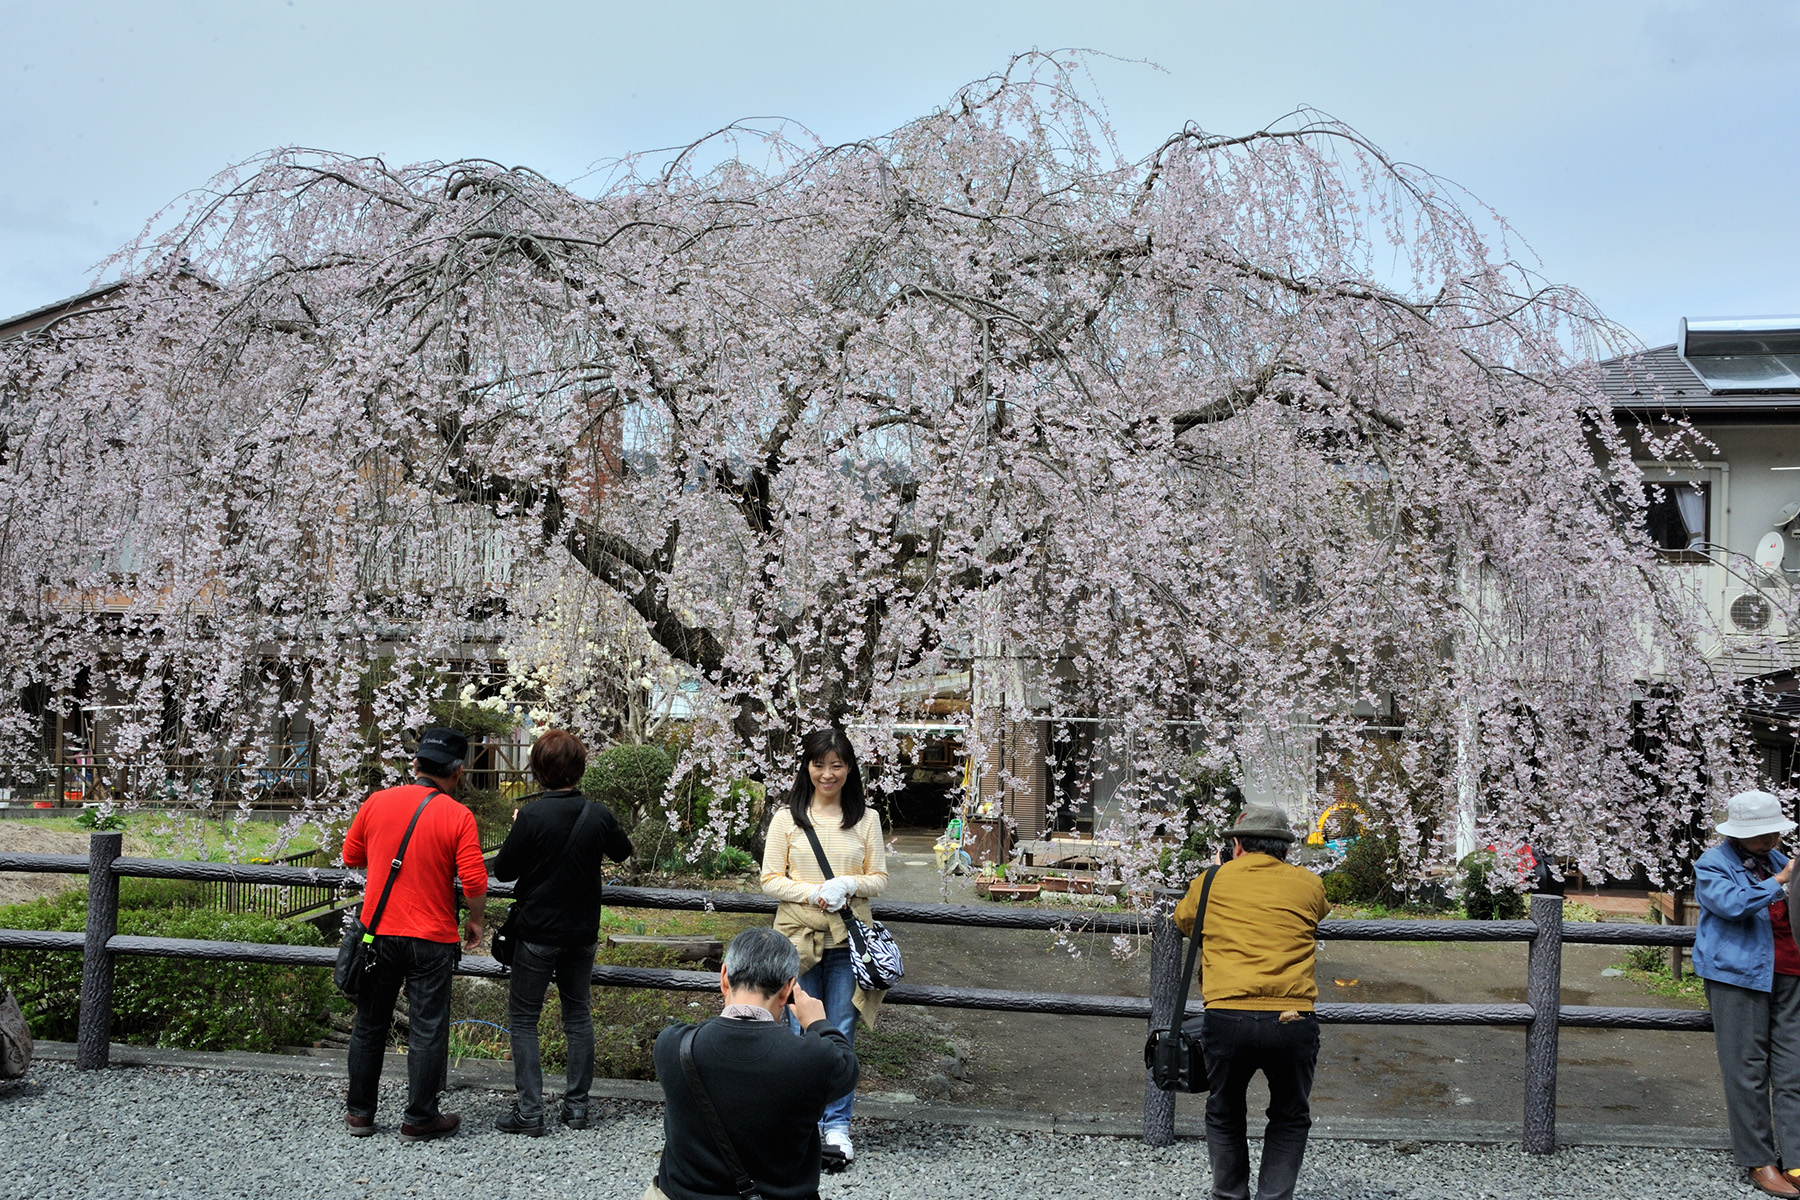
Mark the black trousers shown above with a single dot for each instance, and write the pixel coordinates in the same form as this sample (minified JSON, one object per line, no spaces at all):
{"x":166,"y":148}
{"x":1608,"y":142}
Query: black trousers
{"x":1239,"y":1043}
{"x":535,"y":967}
{"x":425,"y":969}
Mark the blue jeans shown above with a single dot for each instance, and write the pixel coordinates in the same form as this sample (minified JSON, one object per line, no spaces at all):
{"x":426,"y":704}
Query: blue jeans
{"x":1239,"y":1043}
{"x":833,"y":981}
{"x":534,"y":968}
{"x":425,"y":968}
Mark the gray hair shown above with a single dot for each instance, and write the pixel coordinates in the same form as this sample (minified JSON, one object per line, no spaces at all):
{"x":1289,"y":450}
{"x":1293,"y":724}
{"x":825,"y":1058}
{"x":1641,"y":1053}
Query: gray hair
{"x":761,"y":960}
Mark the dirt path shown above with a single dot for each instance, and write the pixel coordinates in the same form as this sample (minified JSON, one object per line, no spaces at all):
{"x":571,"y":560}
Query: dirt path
{"x":1095,"y":1064}
{"x":25,"y":837}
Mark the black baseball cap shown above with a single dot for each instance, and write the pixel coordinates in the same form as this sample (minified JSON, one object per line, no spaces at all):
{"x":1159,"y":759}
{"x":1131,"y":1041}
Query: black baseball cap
{"x":443,"y":748}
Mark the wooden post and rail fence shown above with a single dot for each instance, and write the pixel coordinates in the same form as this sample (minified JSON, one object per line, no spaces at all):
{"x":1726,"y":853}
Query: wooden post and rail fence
{"x":1542,"y":1016}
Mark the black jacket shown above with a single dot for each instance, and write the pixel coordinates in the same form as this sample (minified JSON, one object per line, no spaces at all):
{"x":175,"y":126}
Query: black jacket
{"x":770,"y":1089}
{"x":557,"y":901}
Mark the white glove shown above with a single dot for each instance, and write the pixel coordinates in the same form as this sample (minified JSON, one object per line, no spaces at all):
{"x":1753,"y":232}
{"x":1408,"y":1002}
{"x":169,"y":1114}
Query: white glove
{"x":835,"y":893}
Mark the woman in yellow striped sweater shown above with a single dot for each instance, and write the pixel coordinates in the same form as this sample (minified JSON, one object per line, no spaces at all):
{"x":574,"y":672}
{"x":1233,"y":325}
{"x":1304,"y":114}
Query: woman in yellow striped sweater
{"x":827,"y":799}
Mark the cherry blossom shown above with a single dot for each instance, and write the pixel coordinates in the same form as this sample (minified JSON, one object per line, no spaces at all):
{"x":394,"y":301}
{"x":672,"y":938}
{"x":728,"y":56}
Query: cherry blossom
{"x":1220,"y":445}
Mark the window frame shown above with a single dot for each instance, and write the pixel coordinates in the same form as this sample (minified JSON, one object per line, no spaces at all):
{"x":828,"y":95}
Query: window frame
{"x":1716,"y":478}
{"x":1671,"y":554}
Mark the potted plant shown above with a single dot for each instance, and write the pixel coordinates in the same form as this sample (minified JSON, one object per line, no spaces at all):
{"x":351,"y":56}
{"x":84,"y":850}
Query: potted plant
{"x":1013,"y":891}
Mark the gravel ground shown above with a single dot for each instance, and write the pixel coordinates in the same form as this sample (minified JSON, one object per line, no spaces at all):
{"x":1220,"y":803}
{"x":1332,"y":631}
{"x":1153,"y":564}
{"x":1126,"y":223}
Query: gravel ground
{"x":163,"y":1132}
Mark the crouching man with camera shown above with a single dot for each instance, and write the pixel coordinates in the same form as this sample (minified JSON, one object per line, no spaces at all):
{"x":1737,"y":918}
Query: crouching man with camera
{"x":742,"y":1096}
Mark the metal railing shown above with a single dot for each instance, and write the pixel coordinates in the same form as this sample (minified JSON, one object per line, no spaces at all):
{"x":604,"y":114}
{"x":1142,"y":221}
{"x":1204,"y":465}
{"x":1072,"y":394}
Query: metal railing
{"x":279,"y":900}
{"x":1542,"y":1015}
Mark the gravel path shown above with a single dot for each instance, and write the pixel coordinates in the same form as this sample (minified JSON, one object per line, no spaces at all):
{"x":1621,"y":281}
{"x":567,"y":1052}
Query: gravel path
{"x":180,"y":1133}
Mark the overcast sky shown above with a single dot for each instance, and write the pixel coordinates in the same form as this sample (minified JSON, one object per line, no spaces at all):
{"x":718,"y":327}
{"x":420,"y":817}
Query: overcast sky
{"x":1649,"y":152}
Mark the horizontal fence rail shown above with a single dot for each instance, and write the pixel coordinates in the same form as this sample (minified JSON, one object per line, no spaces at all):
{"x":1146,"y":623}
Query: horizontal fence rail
{"x":1541,"y":1016}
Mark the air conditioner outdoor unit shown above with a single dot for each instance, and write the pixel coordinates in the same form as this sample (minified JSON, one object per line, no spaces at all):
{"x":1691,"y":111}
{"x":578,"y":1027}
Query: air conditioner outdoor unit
{"x":1753,"y":613}
{"x":1756,"y":630}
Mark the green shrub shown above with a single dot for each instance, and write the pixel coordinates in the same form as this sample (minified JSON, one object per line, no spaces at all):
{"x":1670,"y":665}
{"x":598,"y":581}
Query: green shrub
{"x":628,"y":779}
{"x":654,"y":843}
{"x":1480,"y":900}
{"x":172,"y":1002}
{"x":90,"y":818}
{"x":155,"y":893}
{"x":1338,"y":888}
{"x":1370,"y":868}
{"x":493,"y":813}
{"x":729,"y":861}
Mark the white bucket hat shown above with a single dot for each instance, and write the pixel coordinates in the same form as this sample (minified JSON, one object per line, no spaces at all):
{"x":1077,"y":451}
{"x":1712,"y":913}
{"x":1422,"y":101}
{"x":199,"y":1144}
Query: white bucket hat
{"x":1752,"y":814}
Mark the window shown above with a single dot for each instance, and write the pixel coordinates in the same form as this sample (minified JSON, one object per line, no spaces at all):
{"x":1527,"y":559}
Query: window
{"x":1679,"y":519}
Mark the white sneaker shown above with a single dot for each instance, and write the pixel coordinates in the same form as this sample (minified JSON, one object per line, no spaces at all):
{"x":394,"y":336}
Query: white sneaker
{"x":837,"y":1151}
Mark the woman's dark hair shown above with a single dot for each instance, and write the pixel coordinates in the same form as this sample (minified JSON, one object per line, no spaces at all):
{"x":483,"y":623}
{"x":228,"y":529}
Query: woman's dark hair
{"x":813,"y":747}
{"x":558,"y":758}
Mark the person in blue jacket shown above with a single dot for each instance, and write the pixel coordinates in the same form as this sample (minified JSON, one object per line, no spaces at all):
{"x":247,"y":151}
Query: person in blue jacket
{"x":1745,"y":950}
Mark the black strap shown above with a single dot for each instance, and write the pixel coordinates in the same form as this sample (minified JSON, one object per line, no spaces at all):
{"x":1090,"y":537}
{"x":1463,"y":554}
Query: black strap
{"x":746,"y":1186}
{"x":567,"y":850}
{"x":852,"y":926}
{"x":819,"y":851}
{"x":1193,"y":955}
{"x":394,"y":868}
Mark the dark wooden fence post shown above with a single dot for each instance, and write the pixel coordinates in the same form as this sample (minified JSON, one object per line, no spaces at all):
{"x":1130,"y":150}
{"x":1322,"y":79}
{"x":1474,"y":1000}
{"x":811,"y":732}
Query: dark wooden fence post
{"x":1165,"y":985}
{"x":1544,"y":994}
{"x":93,"y":1034}
{"x":1678,"y":916}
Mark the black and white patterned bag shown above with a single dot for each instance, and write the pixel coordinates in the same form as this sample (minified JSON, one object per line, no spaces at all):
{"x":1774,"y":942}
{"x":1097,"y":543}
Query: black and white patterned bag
{"x":874,"y":954}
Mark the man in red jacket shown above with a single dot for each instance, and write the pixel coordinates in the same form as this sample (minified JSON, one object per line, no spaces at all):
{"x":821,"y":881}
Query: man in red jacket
{"x":415,"y":932}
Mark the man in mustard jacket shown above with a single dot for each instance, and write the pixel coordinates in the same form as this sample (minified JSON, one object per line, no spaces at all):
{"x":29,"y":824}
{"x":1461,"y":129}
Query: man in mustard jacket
{"x":1256,"y":976}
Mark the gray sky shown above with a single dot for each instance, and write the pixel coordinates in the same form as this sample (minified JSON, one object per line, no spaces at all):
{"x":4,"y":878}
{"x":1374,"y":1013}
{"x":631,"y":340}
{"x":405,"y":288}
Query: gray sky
{"x":1648,"y":151}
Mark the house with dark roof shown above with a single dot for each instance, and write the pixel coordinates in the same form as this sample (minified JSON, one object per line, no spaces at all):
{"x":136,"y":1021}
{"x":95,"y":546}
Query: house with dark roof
{"x":1729,"y":519}
{"x":42,"y":318}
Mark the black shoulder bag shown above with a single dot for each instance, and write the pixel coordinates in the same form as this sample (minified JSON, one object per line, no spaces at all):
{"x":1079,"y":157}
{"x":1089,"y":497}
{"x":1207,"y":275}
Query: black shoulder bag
{"x":504,"y":944}
{"x":356,"y":953}
{"x":874,"y":954}
{"x":1175,"y":1058}
{"x":746,"y":1186}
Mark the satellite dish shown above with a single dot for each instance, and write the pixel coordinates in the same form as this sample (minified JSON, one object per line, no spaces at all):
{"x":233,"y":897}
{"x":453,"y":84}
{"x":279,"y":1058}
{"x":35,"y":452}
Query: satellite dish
{"x":1787,"y":514}
{"x":1770,"y":551}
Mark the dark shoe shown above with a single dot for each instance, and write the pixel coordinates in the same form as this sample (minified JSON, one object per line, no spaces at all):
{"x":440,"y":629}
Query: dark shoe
{"x":512,"y":1122}
{"x":1771,"y":1182}
{"x":359,"y":1126}
{"x":445,"y":1125}
{"x":574,"y":1116}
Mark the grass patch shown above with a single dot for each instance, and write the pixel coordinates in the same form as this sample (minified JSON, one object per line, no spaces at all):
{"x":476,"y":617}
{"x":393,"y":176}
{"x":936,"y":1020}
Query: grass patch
{"x":1648,"y":967}
{"x":476,"y":1038}
{"x":894,"y":1051}
{"x":197,"y":839}
{"x":1395,"y":912}
{"x":663,"y":922}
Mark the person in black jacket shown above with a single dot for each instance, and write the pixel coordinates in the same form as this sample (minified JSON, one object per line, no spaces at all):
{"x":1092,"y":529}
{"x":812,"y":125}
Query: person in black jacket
{"x":554,"y":850}
{"x":769,"y":1087}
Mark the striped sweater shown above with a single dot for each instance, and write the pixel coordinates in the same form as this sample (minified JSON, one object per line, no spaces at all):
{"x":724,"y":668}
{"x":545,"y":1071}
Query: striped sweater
{"x":790,"y":869}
